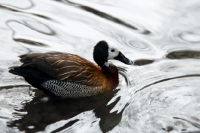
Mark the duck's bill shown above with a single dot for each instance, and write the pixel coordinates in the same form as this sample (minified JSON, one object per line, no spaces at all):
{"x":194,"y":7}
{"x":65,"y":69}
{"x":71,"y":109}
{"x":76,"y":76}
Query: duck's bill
{"x":123,"y":59}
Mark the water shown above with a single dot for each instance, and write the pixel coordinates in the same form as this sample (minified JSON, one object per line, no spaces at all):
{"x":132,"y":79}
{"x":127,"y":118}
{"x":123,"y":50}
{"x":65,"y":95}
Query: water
{"x":160,"y":93}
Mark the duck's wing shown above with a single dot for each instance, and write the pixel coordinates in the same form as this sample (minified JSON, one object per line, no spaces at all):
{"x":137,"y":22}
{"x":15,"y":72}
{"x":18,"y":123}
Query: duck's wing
{"x":65,"y":66}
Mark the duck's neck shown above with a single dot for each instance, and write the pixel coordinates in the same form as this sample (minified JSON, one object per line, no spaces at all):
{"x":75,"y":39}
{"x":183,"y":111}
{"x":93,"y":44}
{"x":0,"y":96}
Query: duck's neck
{"x":100,"y":60}
{"x":111,"y":73}
{"x":103,"y":64}
{"x":105,"y":67}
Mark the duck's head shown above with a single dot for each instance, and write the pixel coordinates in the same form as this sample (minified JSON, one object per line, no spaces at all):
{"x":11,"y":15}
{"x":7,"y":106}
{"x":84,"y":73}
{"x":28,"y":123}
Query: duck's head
{"x":106,"y":50}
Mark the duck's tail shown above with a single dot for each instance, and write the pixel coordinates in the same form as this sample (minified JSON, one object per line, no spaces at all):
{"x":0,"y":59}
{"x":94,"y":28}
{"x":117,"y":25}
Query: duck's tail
{"x":34,"y":77}
{"x":17,"y":70}
{"x":28,"y":72}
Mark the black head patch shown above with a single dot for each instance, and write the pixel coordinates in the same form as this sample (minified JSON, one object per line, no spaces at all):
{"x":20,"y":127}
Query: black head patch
{"x":100,"y":53}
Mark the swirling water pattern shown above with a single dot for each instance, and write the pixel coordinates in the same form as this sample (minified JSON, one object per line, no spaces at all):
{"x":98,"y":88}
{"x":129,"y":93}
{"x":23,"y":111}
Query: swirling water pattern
{"x":160,"y":93}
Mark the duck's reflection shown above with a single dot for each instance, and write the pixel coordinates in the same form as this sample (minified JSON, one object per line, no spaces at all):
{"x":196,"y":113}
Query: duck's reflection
{"x":41,"y":114}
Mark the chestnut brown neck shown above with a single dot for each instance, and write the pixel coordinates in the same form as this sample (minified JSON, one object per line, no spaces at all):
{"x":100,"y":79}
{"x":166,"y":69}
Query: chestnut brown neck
{"x":112,"y":75}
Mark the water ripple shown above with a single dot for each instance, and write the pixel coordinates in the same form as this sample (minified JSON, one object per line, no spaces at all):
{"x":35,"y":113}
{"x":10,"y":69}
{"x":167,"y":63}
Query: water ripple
{"x":24,"y":4}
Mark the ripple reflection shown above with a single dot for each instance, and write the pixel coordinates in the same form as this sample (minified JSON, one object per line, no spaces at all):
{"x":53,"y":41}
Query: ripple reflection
{"x":39,"y":114}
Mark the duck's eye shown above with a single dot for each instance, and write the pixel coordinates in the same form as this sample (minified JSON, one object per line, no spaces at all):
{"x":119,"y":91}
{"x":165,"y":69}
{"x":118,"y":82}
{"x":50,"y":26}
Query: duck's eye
{"x":112,"y":50}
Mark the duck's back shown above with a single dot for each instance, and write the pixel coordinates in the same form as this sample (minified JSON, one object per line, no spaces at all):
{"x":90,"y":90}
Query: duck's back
{"x":62,"y":74}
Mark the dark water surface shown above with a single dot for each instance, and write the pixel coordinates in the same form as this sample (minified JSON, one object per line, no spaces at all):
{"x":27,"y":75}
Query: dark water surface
{"x":160,"y":93}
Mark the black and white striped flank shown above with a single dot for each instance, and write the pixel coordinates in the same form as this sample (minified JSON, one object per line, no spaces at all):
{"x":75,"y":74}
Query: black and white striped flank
{"x":68,"y":89}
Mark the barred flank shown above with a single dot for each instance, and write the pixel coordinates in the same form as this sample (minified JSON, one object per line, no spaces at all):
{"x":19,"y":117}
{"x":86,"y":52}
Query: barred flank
{"x":70,"y":89}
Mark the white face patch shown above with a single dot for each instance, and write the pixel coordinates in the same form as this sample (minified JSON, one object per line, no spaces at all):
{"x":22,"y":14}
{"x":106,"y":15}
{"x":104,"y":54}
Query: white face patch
{"x":113,"y":50}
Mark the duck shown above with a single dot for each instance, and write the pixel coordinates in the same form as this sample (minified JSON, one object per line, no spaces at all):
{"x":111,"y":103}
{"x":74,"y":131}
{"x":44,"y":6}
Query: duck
{"x":66,"y":75}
